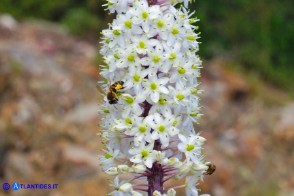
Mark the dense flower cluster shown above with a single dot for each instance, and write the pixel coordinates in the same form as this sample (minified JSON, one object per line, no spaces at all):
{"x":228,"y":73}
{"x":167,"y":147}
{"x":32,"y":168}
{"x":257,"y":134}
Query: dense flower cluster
{"x":151,"y":48}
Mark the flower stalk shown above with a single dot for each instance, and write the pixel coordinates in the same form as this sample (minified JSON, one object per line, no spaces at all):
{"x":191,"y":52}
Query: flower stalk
{"x":151,"y":72}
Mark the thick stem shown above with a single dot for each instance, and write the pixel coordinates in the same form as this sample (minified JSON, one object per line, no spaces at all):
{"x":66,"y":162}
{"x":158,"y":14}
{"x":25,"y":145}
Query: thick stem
{"x":155,"y":179}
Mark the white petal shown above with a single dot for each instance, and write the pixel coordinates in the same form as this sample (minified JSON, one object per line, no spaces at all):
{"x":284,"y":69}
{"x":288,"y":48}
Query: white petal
{"x":154,"y":97}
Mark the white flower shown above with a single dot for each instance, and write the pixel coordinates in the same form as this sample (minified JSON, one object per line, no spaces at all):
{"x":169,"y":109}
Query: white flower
{"x":135,"y":77}
{"x":125,"y":22}
{"x":154,"y":86}
{"x":107,"y":160}
{"x":132,"y":104}
{"x":163,"y":129}
{"x":120,"y":188}
{"x":143,"y":154}
{"x":143,"y":14}
{"x":141,"y":131}
{"x":191,"y":146}
{"x":191,"y":189}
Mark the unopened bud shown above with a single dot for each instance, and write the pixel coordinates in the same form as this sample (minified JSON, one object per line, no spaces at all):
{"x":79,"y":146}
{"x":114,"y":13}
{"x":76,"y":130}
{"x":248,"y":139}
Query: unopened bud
{"x":139,"y":168}
{"x":122,"y":169}
{"x":171,"y":192}
{"x":127,"y":187}
{"x":112,"y":171}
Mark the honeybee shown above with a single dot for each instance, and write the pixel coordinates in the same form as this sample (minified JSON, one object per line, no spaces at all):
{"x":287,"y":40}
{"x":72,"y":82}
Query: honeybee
{"x":112,"y":95}
{"x":211,"y":169}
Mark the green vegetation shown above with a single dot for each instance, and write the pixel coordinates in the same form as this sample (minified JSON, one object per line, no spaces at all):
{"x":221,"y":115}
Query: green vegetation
{"x":257,"y":34}
{"x":80,"y":17}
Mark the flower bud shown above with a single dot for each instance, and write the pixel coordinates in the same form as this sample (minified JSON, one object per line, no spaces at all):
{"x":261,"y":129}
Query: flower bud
{"x":122,"y":169}
{"x":139,"y":168}
{"x":112,"y":171}
{"x":171,"y":192}
{"x":127,"y":187}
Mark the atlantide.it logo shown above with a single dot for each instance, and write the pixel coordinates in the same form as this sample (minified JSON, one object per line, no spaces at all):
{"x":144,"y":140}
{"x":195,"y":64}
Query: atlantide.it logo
{"x":6,"y":186}
{"x":16,"y":186}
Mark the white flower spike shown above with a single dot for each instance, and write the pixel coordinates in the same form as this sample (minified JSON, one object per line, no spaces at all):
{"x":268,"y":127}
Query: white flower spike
{"x":151,"y":71}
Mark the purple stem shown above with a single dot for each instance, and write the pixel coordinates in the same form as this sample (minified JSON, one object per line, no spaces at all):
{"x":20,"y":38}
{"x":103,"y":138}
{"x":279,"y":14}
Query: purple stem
{"x":155,"y":179}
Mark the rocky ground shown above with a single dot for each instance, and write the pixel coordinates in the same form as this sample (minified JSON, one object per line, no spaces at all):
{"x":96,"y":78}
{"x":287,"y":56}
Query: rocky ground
{"x":49,"y":119}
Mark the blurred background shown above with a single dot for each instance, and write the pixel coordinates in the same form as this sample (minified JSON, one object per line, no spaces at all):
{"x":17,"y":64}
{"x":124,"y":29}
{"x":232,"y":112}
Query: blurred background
{"x":49,"y":102}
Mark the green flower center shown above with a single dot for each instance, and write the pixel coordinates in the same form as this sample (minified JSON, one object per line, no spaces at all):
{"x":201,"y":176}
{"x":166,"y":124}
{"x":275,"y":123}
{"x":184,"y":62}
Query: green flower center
{"x":128,"y":121}
{"x":175,"y":123}
{"x":161,"y":128}
{"x":180,"y":97}
{"x":116,"y":56}
{"x":193,"y":114}
{"x":191,"y":37}
{"x":107,"y":41}
{"x":142,"y":129}
{"x":160,"y":23}
{"x":107,"y":155}
{"x":194,"y":67}
{"x":145,"y":15}
{"x":106,"y":111}
{"x":129,"y":99}
{"x":162,"y":101}
{"x":153,"y":86}
{"x":172,"y":56}
{"x":131,"y":58}
{"x":175,"y":31}
{"x":116,"y":32}
{"x":195,"y":91}
{"x":142,"y":45}
{"x":136,"y":78}
{"x":144,"y":153}
{"x":156,"y":58}
{"x":129,"y":24}
{"x":190,"y":147}
{"x":110,"y":3}
{"x":181,"y":70}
